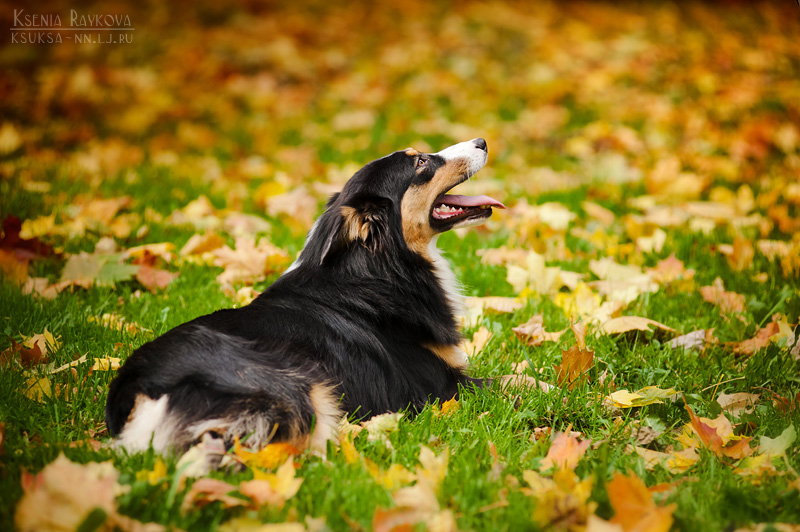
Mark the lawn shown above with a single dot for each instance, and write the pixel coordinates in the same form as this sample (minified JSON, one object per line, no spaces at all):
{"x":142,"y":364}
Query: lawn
{"x":648,"y":265}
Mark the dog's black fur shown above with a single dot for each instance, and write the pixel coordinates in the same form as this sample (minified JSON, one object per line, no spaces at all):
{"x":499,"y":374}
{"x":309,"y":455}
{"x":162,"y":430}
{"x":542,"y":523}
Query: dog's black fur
{"x":363,"y":316}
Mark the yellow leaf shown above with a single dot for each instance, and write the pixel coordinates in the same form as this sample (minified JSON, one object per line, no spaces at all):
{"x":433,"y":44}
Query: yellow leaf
{"x":46,"y":342}
{"x":106,"y":364}
{"x":392,"y":478}
{"x":283,"y":480}
{"x":621,"y":399}
{"x":478,"y":342}
{"x":156,"y":475}
{"x":349,"y":451}
{"x":37,"y":388}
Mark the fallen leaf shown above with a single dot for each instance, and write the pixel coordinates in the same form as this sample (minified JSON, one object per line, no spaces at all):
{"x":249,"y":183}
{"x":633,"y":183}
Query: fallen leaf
{"x":728,"y":302}
{"x":86,"y":270}
{"x":106,"y":364}
{"x":273,"y":489}
{"x":736,"y":403}
{"x":690,"y":341}
{"x":574,"y":367}
{"x":479,"y":340}
{"x":37,"y":388}
{"x":69,"y":492}
{"x":625,"y":324}
{"x":154,"y":279}
{"x":249,"y":262}
{"x":268,"y":457}
{"x":778,"y":446}
{"x":533,"y":333}
{"x":717,"y":436}
{"x":634,"y":508}
{"x":565,"y":452}
{"x":562,"y":501}
{"x":207,"y":490}
{"x":378,"y":427}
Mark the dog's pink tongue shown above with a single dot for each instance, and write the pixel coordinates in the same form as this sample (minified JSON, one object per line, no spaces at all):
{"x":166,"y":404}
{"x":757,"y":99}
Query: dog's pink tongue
{"x":454,"y":200}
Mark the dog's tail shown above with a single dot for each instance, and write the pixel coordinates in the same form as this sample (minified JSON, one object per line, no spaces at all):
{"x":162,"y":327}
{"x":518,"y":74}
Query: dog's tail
{"x":196,"y":380}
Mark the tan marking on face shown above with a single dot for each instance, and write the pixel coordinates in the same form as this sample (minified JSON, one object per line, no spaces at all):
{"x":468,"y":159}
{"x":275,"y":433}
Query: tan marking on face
{"x":450,"y":354}
{"x":354,"y":225}
{"x":418,"y":202}
{"x":411,"y":152}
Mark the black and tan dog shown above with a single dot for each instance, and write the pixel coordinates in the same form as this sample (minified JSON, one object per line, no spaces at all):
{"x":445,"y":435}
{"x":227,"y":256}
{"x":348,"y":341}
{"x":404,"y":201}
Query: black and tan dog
{"x":364,"y":321}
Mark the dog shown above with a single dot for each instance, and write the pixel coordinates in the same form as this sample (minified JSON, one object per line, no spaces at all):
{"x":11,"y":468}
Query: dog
{"x":364,"y":322}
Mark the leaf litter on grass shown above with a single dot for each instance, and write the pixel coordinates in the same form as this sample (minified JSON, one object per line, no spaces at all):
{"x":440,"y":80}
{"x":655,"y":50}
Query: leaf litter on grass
{"x":651,"y":181}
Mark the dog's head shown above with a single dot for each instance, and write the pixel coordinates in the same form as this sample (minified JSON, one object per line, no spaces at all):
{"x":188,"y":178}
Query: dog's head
{"x":403,"y":196}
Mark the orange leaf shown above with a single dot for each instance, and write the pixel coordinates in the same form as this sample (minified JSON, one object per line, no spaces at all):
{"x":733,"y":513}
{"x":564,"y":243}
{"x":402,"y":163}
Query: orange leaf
{"x":634,"y":508}
{"x":575,"y":362}
{"x":565,"y":452}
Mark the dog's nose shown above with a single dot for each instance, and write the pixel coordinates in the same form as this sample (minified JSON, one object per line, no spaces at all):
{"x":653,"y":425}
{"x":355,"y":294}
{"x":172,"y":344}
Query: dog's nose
{"x":480,"y":144}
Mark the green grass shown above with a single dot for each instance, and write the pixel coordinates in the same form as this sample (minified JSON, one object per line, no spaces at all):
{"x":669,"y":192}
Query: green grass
{"x":712,"y":498}
{"x":713,"y":85}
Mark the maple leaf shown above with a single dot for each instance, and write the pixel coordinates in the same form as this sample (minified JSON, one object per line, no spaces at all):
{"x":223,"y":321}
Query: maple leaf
{"x":533,"y":333}
{"x":45,"y":341}
{"x":625,"y":324}
{"x":774,"y":331}
{"x":156,"y":475}
{"x":419,"y":503}
{"x":26,"y":357}
{"x":670,"y":270}
{"x":106,"y":364}
{"x":537,"y":278}
{"x":268,"y":457}
{"x":273,"y":489}
{"x":644,"y":396}
{"x":717,"y":436}
{"x":378,"y":427}
{"x":207,"y":490}
{"x":117,"y":322}
{"x":634,"y":508}
{"x":200,"y":244}
{"x":248,"y":262}
{"x":565,"y":452}
{"x":392,"y":478}
{"x":736,"y":403}
{"x":86,"y":270}
{"x":73,"y":493}
{"x":778,"y":446}
{"x":153,"y":278}
{"x":479,"y":340}
{"x":574,"y":367}
{"x":690,"y":341}
{"x":562,"y":502}
{"x":297,"y":207}
{"x":728,"y":302}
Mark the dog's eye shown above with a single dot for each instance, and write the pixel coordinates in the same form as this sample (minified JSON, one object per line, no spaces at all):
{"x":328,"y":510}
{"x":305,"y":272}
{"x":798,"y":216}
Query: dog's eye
{"x":421,"y":162}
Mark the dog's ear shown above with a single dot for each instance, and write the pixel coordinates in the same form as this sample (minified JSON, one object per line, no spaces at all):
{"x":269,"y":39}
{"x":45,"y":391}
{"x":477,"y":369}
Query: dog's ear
{"x":362,"y":220}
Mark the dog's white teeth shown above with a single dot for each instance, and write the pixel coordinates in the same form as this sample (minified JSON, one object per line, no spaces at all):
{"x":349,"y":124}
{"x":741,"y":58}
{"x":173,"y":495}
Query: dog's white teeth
{"x":447,"y":209}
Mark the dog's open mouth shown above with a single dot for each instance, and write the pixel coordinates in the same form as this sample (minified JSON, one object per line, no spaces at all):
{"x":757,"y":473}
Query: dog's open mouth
{"x":450,"y":209}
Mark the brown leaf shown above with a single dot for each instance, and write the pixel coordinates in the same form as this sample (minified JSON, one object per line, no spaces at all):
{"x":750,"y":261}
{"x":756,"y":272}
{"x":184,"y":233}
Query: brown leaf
{"x":736,"y":403}
{"x":574,"y":367}
{"x":532,"y":332}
